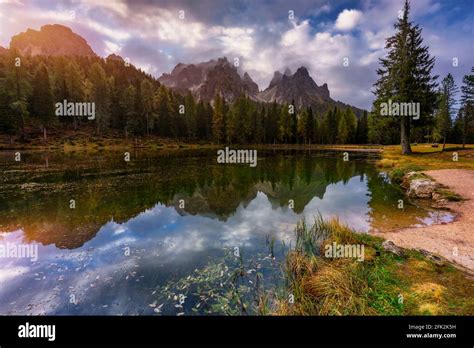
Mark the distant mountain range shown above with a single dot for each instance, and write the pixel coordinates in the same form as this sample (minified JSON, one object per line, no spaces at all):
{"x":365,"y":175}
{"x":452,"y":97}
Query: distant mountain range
{"x":203,"y":80}
{"x":206,"y":79}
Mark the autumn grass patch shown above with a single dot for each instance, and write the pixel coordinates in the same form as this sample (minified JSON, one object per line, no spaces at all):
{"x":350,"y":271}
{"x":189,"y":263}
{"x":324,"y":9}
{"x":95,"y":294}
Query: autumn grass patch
{"x":383,"y":284}
{"x":428,"y":158}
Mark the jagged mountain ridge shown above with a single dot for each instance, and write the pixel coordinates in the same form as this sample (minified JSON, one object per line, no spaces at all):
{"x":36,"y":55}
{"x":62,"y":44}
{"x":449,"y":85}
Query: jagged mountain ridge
{"x":299,"y":87}
{"x":303,"y":90}
{"x":206,"y":79}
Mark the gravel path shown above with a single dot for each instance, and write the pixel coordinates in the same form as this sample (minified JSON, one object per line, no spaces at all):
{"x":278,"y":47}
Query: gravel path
{"x":454,"y":241}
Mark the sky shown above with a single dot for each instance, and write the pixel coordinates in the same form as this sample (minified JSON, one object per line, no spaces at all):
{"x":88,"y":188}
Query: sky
{"x":339,"y":42}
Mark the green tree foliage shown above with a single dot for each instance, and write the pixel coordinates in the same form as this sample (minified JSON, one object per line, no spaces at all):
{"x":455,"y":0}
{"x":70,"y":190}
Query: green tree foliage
{"x":446,"y":103}
{"x":466,"y":114}
{"x":362,"y":129}
{"x":131,"y":102}
{"x":41,"y":101}
{"x":218,"y":131}
{"x":405,"y":74}
{"x":101,"y":96}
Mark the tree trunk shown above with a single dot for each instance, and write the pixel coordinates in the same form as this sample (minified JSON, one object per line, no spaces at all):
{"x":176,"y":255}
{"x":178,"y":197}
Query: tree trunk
{"x":405,"y":136}
{"x":464,"y":131}
{"x":45,"y":137}
{"x":444,"y":136}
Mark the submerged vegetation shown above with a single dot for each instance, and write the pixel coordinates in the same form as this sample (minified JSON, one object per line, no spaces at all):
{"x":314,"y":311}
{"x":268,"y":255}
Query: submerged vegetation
{"x":306,"y":282}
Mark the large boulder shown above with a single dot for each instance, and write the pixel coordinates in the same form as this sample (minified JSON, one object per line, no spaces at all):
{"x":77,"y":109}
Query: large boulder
{"x":422,"y":188}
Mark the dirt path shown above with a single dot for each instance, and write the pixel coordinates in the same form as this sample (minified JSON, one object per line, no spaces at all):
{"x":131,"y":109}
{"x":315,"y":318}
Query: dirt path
{"x":444,"y":239}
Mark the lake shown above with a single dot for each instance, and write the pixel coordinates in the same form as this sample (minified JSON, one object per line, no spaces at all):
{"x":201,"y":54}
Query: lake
{"x":174,"y":232}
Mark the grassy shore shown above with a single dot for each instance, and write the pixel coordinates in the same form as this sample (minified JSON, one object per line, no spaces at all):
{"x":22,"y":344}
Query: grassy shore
{"x":87,"y":141}
{"x":426,"y":157}
{"x":383,"y":284}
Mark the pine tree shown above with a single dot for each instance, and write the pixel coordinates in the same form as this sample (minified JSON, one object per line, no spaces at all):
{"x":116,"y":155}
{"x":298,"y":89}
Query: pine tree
{"x":147,"y":93}
{"x":9,"y":123}
{"x":447,"y":93}
{"x":343,"y":131}
{"x":285,"y":125}
{"x":18,"y":87}
{"x":218,"y":120}
{"x":467,"y":105}
{"x":100,"y":96}
{"x":190,"y":116}
{"x":163,"y":111}
{"x":42,"y":103}
{"x":405,"y":74}
{"x":201,"y":132}
{"x":351,"y":123}
{"x":309,"y":126}
{"x":131,"y":121}
{"x":302,"y":121}
{"x":362,"y":129}
{"x":293,"y":124}
{"x":74,"y":85}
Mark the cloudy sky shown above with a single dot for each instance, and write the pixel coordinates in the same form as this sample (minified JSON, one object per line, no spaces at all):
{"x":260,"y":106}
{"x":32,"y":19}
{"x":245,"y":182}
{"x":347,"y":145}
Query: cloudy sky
{"x":266,"y":35}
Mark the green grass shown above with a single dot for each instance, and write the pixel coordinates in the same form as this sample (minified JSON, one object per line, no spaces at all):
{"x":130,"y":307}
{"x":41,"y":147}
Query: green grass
{"x":383,"y":284}
{"x":398,"y":173}
{"x":449,"y":195}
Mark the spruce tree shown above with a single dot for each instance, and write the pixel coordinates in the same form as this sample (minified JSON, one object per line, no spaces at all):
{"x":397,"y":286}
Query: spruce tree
{"x":447,"y":92}
{"x":42,"y":103}
{"x":467,"y":105}
{"x":218,"y":120}
{"x":405,"y":74}
{"x":309,"y":126}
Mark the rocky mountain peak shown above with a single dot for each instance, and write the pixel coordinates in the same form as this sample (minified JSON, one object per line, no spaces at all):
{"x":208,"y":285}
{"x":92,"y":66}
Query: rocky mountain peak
{"x":303,"y":72}
{"x":115,"y":57}
{"x":206,"y":79}
{"x":51,"y":40}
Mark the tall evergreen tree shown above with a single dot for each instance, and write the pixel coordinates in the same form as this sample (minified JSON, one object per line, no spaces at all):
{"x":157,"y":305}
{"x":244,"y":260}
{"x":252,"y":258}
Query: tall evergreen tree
{"x":190,"y":116}
{"x":405,"y":74}
{"x":467,"y":105}
{"x":163,"y":110}
{"x":42,"y":103}
{"x":147,"y":93}
{"x":447,"y":93}
{"x":100,"y":96}
{"x":362,"y":129}
{"x":218,"y":120}
{"x":309,"y":126}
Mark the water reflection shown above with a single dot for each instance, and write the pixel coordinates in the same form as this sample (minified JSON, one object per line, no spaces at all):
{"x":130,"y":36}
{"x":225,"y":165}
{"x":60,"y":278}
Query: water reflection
{"x":128,"y":234}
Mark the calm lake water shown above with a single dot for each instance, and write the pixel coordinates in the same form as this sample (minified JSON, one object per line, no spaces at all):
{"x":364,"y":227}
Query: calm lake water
{"x":174,"y":232}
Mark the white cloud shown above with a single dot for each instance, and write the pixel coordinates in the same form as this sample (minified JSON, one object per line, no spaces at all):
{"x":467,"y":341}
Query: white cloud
{"x":111,"y":47}
{"x":348,"y":19}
